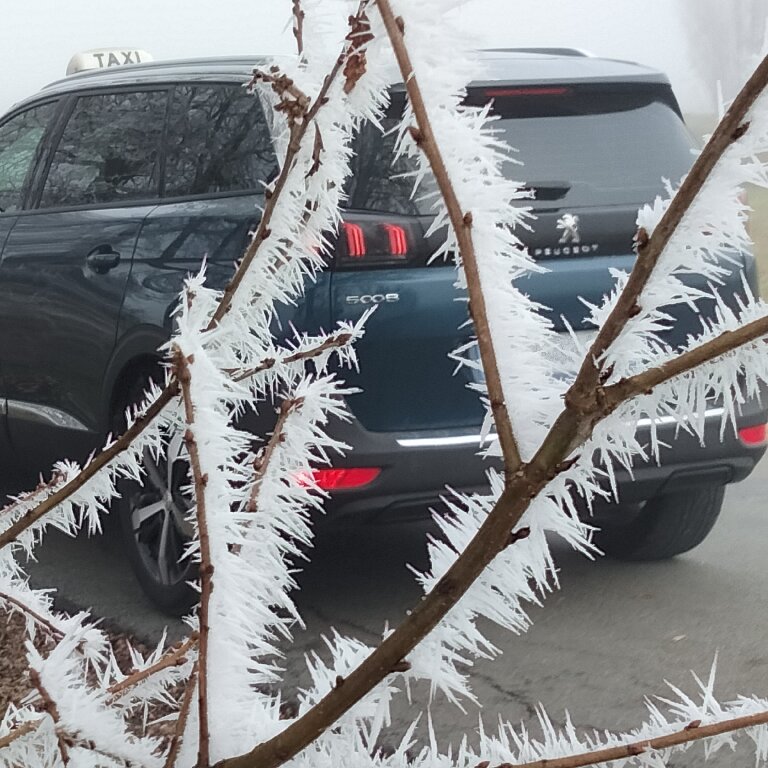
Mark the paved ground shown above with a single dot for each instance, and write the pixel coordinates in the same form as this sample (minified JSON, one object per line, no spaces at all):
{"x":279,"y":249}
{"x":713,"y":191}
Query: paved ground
{"x":613,"y":633}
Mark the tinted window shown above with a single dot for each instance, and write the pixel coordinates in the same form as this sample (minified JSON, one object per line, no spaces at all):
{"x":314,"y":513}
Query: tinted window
{"x":593,"y":145}
{"x":219,"y":142}
{"x":109,"y":150}
{"x":19,"y":142}
{"x":378,"y":181}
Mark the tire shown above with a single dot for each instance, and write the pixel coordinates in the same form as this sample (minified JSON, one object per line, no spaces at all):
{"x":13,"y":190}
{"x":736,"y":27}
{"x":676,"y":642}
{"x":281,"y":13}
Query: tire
{"x":665,"y":526}
{"x":152,"y":530}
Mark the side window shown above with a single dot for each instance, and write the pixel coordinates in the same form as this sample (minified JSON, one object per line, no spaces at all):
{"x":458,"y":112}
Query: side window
{"x":380,"y":182}
{"x":19,"y":142}
{"x":109,"y":150}
{"x":220,"y":141}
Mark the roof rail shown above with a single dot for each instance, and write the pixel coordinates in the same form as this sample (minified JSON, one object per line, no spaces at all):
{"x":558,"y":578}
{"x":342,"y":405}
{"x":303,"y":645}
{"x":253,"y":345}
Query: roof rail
{"x":550,"y":51}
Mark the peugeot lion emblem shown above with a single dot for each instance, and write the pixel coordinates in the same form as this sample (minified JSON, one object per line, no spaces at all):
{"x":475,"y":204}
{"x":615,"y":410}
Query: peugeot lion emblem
{"x":569,"y":224}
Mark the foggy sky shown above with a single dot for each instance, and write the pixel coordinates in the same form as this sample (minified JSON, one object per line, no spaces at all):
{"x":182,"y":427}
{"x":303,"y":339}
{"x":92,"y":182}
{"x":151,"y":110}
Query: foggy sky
{"x":37,"y":38}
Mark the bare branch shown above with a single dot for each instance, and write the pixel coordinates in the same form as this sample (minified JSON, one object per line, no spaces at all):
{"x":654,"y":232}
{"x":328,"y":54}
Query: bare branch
{"x":692,"y":732}
{"x":298,"y":131}
{"x":24,"y":729}
{"x":261,"y":463}
{"x":173,"y":657}
{"x":684,"y":363}
{"x":298,"y":26}
{"x":49,"y":705}
{"x":41,"y":621}
{"x":335,"y":341}
{"x":181,"y":721}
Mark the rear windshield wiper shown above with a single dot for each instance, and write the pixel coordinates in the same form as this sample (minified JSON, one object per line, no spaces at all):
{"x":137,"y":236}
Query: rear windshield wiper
{"x":548,"y":190}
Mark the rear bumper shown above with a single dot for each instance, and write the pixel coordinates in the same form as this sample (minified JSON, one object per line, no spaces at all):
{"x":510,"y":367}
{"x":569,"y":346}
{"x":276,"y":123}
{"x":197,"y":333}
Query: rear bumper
{"x":416,"y":468}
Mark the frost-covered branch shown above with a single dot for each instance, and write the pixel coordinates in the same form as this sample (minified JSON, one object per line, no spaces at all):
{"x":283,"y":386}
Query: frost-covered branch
{"x":462,"y":221}
{"x":190,"y":692}
{"x":299,"y":125}
{"x":691,"y":733}
{"x":173,"y":657}
{"x":651,"y":247}
{"x":200,"y":479}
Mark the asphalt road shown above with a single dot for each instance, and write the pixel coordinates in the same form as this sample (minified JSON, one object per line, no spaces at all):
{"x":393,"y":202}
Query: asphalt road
{"x":613,"y":633}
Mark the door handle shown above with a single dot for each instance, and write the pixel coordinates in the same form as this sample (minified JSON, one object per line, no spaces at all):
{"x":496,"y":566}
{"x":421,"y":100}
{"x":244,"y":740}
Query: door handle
{"x":102,"y":258}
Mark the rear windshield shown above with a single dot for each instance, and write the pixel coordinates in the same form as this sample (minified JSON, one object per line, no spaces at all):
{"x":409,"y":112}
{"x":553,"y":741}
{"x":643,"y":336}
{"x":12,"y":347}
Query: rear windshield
{"x":577,"y":145}
{"x":592,"y":146}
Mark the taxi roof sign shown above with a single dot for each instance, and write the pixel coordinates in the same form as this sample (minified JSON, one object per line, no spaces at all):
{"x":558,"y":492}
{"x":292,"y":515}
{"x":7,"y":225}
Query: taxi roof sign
{"x":104,"y":58}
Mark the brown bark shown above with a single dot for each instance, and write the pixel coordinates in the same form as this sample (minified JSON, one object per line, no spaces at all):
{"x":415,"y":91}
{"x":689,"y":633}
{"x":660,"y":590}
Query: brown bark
{"x":692,"y":732}
{"x":206,"y":563}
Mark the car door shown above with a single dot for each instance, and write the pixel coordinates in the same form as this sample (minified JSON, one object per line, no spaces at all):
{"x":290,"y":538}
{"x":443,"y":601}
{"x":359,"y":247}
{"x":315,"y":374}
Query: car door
{"x":64,"y":270}
{"x":22,"y":139}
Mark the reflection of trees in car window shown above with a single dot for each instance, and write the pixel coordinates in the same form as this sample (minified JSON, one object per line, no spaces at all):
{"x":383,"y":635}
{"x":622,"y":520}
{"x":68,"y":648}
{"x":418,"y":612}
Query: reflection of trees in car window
{"x":220,"y":142}
{"x":19,"y":140}
{"x":379,"y":181}
{"x":109,"y":150}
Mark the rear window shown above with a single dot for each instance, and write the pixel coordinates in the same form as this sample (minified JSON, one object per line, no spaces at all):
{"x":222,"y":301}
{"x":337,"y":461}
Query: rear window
{"x":591,"y":145}
{"x":576,"y":145}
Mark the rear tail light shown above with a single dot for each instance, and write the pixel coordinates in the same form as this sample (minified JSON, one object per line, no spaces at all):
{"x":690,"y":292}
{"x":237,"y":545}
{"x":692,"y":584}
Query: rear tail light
{"x":378,"y":242}
{"x":343,"y":478}
{"x":754,"y":437}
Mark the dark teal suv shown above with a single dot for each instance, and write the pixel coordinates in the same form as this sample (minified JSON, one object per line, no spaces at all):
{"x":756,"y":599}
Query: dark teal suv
{"x":115,"y":184}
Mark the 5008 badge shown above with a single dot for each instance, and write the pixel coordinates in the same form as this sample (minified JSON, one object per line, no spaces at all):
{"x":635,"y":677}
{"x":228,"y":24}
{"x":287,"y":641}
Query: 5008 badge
{"x":374,"y":298}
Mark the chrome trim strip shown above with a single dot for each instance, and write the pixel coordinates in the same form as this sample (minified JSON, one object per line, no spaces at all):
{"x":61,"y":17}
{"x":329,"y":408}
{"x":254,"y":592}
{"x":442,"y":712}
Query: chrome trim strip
{"x":455,"y":440}
{"x":43,"y":414}
{"x":444,"y":442}
{"x":710,"y":413}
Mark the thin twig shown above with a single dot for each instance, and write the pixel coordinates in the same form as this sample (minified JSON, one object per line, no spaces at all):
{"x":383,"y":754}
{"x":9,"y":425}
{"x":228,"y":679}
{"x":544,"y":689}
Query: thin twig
{"x":173,"y":657}
{"x":336,"y":341}
{"x":692,"y":732}
{"x":684,"y":363}
{"x":49,"y":705}
{"x":206,"y":564}
{"x":262,"y":461}
{"x":298,"y":26}
{"x":181,"y":720}
{"x":21,"y":730}
{"x":41,"y":621}
{"x":461,"y":222}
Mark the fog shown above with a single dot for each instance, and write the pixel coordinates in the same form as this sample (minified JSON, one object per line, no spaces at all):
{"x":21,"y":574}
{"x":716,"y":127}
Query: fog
{"x":38,"y":38}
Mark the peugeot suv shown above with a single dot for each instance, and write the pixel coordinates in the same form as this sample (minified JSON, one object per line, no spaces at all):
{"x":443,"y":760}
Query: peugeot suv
{"x":115,"y":184}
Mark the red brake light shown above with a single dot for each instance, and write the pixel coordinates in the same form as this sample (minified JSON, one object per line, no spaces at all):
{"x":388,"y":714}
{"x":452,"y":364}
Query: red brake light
{"x":343,"y":478}
{"x":398,"y":242}
{"x":355,"y":240}
{"x":374,"y":241}
{"x":754,"y":437}
{"x":504,"y":92}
